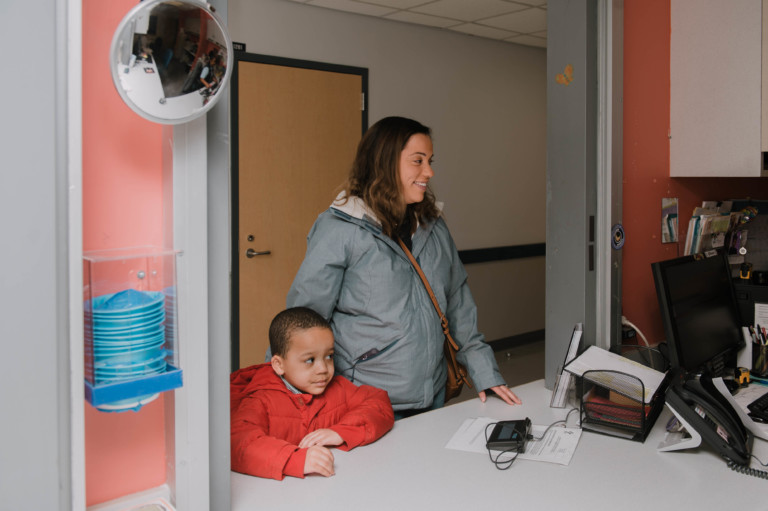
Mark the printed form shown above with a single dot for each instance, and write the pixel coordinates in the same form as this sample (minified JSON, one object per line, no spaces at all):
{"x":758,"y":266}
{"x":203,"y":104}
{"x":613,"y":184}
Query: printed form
{"x":557,"y":446}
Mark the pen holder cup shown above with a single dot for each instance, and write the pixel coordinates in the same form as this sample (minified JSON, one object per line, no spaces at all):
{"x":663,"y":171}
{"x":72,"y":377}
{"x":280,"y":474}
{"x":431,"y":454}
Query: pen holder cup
{"x":760,"y":360}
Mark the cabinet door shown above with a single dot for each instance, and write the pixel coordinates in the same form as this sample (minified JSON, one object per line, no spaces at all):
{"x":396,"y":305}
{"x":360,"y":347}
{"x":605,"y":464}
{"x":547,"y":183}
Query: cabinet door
{"x":715,"y":89}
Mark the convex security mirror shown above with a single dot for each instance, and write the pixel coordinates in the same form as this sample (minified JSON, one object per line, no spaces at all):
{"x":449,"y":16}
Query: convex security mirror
{"x":171,"y":59}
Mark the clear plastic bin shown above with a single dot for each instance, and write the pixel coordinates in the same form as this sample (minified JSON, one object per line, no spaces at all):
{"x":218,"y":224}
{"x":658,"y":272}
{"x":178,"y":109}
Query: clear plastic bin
{"x":130,"y":325}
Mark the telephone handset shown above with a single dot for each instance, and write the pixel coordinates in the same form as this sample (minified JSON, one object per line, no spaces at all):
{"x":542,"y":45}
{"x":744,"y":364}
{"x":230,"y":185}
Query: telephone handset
{"x":699,"y":404}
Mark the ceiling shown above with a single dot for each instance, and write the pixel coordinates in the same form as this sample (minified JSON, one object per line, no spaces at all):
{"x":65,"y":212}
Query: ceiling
{"x":519,"y":21}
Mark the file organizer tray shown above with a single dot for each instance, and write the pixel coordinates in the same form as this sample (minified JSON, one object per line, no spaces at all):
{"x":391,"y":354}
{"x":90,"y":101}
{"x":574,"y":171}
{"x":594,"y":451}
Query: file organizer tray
{"x":612,"y":403}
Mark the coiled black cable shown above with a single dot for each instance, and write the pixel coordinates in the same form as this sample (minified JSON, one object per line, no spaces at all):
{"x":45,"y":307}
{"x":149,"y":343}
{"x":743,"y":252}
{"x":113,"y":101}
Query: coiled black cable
{"x":497,"y":462}
{"x":746,"y":469}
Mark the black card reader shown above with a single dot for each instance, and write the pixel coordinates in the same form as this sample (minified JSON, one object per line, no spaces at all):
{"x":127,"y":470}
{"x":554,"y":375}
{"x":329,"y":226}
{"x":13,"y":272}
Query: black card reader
{"x":509,"y":435}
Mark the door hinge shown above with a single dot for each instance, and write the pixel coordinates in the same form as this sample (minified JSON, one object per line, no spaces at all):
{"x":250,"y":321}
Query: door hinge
{"x":362,"y":101}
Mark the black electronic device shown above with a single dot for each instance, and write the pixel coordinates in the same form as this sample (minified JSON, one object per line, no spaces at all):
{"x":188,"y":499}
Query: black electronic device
{"x":509,"y":436}
{"x":699,"y":312}
{"x":698,"y":403}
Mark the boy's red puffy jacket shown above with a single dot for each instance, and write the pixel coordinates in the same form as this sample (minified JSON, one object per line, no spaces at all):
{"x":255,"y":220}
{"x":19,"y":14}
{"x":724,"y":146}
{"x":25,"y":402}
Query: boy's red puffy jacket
{"x":268,"y":420}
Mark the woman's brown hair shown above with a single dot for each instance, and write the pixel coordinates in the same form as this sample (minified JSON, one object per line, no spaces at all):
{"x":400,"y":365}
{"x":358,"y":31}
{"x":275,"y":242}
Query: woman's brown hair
{"x":375,"y":176}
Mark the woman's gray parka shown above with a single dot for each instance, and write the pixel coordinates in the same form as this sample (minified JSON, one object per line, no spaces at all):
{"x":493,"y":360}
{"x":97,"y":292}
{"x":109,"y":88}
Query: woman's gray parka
{"x":387,"y":331}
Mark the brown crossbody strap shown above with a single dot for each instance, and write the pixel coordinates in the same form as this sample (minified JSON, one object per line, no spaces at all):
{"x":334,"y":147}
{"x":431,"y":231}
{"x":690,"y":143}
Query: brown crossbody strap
{"x":443,"y":319}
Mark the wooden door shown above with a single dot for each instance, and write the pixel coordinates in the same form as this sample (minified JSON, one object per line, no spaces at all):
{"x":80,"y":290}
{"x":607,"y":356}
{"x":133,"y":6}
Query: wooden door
{"x":297,"y":131}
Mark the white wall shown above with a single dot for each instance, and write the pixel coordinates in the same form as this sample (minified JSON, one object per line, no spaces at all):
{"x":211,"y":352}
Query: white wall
{"x":486,"y":103}
{"x":34,"y":379}
{"x":218,"y":293}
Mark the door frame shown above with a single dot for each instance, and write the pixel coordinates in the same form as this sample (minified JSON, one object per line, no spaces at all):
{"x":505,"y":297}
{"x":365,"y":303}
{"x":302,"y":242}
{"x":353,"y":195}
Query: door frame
{"x":241,"y":56}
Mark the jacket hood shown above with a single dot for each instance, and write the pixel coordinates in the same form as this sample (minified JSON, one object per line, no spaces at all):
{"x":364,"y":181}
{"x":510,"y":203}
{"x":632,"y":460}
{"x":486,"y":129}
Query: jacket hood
{"x":355,"y":208}
{"x":248,"y":380}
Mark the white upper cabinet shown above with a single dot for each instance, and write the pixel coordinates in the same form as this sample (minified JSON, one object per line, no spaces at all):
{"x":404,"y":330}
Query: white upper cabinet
{"x":715,"y":90}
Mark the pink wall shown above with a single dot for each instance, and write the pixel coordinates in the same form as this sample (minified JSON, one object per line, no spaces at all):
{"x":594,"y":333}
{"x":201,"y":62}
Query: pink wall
{"x":122,"y":207}
{"x":646,"y":163}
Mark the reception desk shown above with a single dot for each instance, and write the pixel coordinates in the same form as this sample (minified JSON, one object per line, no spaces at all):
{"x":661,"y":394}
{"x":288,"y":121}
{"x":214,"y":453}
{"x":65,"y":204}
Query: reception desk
{"x":410,"y":468}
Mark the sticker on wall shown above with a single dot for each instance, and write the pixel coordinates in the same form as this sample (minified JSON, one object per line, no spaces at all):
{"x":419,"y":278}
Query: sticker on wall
{"x":566,"y":77}
{"x":669,"y":220}
{"x":617,"y":236}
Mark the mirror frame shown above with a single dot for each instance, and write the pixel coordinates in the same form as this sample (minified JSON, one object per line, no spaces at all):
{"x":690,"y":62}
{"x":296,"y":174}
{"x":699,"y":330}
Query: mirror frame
{"x":144,"y":8}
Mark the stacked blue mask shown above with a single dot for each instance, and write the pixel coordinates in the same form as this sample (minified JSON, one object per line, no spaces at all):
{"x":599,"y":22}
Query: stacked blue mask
{"x":127,"y":330}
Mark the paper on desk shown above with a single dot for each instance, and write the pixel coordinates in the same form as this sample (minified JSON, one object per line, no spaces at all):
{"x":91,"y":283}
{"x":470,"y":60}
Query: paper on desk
{"x":740,"y":401}
{"x":557,"y":446}
{"x":598,"y":359}
{"x":470,"y":436}
{"x":761,"y":314}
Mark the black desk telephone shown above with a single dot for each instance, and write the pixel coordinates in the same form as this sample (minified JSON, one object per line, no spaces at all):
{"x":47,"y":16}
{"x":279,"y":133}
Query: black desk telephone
{"x":701,"y":405}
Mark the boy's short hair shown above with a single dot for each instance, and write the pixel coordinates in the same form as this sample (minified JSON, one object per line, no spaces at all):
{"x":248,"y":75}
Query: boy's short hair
{"x":287,"y":322}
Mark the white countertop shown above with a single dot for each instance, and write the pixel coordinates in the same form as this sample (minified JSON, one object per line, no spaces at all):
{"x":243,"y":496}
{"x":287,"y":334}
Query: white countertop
{"x":409,"y":468}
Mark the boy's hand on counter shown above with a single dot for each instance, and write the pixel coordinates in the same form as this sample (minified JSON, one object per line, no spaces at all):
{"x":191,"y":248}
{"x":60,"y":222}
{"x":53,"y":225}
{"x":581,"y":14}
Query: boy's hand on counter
{"x":321,"y":437}
{"x":319,"y":461}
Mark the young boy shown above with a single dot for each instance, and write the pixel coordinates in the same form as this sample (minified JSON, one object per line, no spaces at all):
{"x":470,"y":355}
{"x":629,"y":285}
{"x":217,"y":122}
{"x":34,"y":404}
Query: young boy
{"x":286,"y":413}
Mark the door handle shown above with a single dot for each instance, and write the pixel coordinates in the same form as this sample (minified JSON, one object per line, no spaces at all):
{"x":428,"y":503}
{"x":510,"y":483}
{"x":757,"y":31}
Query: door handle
{"x":252,"y":253}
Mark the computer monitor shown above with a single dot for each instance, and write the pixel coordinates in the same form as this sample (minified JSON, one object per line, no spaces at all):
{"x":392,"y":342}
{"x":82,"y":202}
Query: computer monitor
{"x":699,"y":312}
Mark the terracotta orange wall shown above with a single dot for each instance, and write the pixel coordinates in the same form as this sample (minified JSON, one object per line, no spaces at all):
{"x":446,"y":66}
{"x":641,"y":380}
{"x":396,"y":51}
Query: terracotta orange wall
{"x":122,"y":207}
{"x":646,"y":163}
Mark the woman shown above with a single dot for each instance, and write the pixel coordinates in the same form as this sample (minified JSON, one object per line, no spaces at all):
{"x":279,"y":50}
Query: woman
{"x":387,"y":331}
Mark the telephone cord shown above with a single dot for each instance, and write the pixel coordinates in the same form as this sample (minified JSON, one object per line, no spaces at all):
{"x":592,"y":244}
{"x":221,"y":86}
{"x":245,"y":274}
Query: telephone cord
{"x":746,"y":469}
